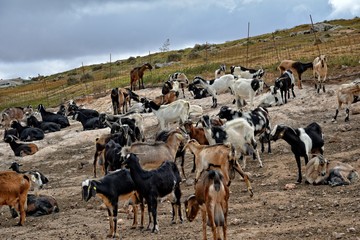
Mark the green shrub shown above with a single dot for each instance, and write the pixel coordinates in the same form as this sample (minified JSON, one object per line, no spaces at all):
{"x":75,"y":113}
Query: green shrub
{"x":193,"y":55}
{"x":174,"y":57}
{"x":97,"y":67}
{"x":87,"y":77}
{"x":72,"y":81}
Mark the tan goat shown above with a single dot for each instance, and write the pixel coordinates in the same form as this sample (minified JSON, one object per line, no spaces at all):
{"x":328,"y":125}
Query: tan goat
{"x":220,"y":155}
{"x":211,"y":196}
{"x":322,"y":171}
{"x":320,"y":72}
{"x":295,"y":67}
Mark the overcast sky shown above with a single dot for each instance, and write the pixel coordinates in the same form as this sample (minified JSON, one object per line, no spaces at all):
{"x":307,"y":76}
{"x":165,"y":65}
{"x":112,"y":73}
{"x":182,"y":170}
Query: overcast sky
{"x":50,"y":36}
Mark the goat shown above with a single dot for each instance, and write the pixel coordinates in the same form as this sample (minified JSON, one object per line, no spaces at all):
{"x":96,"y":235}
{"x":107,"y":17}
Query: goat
{"x":112,"y":153}
{"x":45,"y":126}
{"x":246,"y":88}
{"x":167,"y":98}
{"x":154,"y":184}
{"x":195,"y":112}
{"x":347,"y":93}
{"x":322,"y":171}
{"x":247,"y":73}
{"x":220,"y":71}
{"x":113,"y":187}
{"x":238,"y":132}
{"x":88,"y":122}
{"x":152,"y":155}
{"x":21,"y":149}
{"x":137,"y":73}
{"x":39,"y":206}
{"x":10,"y":114}
{"x":284,"y":83}
{"x":163,"y":136}
{"x":303,"y":141}
{"x":271,"y":98}
{"x":320,"y":71}
{"x":62,"y":110}
{"x":52,"y":117}
{"x":222,"y":155}
{"x":177,"y":111}
{"x":13,"y":191}
{"x":73,"y":108}
{"x":216,"y":86}
{"x":195,"y":133}
{"x":28,"y":133}
{"x":119,"y":100}
{"x":259,"y":118}
{"x":212,"y":197}
{"x":296,"y":67}
{"x":198,"y":92}
{"x":176,"y":80}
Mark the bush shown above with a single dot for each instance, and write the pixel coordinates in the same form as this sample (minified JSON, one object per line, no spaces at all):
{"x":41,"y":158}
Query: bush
{"x":131,"y":60}
{"x":87,"y":77}
{"x":72,"y":81}
{"x":193,"y":55}
{"x":174,"y":57}
{"x":97,"y":67}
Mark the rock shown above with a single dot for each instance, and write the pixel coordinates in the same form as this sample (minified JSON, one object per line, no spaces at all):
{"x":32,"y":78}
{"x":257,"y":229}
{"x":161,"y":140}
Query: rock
{"x":189,"y":182}
{"x":345,"y":128}
{"x":351,"y":230}
{"x":338,"y":235}
{"x":290,"y":186}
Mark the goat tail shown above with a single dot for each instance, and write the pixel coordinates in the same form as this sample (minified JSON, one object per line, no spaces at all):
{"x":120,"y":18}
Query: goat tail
{"x":219,"y":216}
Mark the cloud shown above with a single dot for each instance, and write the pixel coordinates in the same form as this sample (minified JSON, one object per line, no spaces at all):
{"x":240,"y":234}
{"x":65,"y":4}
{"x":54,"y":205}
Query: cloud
{"x":342,"y":8}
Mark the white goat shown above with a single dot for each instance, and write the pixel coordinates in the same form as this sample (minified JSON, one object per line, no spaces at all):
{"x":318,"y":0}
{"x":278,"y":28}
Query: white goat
{"x":248,"y":73}
{"x":195,"y":112}
{"x":271,"y":98}
{"x":177,"y":111}
{"x":320,"y":71}
{"x":243,"y":88}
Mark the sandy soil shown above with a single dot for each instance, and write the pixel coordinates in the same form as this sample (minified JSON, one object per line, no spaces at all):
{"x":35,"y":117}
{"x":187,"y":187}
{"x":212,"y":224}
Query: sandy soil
{"x":306,"y":212}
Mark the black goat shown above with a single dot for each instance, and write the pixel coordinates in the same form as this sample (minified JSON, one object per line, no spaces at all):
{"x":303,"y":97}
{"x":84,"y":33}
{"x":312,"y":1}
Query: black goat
{"x":62,"y":110}
{"x":112,"y":157}
{"x":39,"y":206}
{"x":259,"y":118}
{"x":53,"y":117}
{"x":111,"y":188}
{"x":88,"y":122}
{"x":21,"y":149}
{"x":28,"y":133}
{"x":284,"y":83}
{"x":154,"y":184}
{"x":303,"y":141}
{"x":45,"y":126}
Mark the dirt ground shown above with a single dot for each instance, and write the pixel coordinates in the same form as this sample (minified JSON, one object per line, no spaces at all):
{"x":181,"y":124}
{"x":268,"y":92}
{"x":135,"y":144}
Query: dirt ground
{"x":306,"y":212}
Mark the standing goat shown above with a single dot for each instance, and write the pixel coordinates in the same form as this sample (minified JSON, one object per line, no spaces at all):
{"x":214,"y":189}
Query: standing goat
{"x":285,"y":83}
{"x":155,"y":184}
{"x":320,"y":71}
{"x":212,"y":197}
{"x":347,"y":94}
{"x":243,"y":88}
{"x":175,"y":81}
{"x":303,"y":141}
{"x":296,"y":67}
{"x":220,"y":71}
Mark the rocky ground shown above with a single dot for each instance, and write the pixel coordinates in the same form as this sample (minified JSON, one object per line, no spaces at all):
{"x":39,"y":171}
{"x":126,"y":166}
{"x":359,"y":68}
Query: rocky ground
{"x":305,"y":212}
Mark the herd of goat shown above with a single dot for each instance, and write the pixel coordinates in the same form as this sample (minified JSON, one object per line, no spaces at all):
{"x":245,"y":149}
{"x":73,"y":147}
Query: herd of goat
{"x":218,"y":143}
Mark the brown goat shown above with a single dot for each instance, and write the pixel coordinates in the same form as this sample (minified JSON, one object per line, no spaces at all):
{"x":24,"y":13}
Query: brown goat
{"x":137,"y":73}
{"x":100,"y":144}
{"x":152,"y":155}
{"x":120,"y":100}
{"x":211,"y":196}
{"x":170,"y":97}
{"x":220,"y":155}
{"x":295,"y":67}
{"x":10,"y":114}
{"x":13,"y":192}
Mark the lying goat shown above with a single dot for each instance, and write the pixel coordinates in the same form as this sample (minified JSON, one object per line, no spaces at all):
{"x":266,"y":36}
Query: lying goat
{"x":322,"y":171}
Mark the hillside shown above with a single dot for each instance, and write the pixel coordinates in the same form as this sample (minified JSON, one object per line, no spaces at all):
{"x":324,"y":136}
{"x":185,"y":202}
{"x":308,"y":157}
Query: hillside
{"x":340,"y":42}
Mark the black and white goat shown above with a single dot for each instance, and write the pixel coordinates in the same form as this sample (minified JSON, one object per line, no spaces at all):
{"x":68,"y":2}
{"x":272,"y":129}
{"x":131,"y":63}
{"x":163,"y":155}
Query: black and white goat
{"x":285,"y":83}
{"x":248,"y":73}
{"x":237,"y":132}
{"x":259,"y":118}
{"x":175,"y":81}
{"x":303,"y":141}
{"x":155,"y":184}
{"x":271,"y":98}
{"x":220,"y":71}
{"x":198,"y":92}
{"x":113,"y":187}
{"x":243,"y":88}
{"x":216,"y":86}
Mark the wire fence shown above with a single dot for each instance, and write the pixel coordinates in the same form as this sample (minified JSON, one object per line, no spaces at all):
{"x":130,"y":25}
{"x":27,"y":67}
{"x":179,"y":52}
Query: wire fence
{"x":342,"y":49}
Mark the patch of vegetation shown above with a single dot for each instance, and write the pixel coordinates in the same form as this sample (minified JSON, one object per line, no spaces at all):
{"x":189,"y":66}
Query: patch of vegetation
{"x":72,"y":81}
{"x":97,"y":68}
{"x":174,"y":57}
{"x":87,"y":77}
